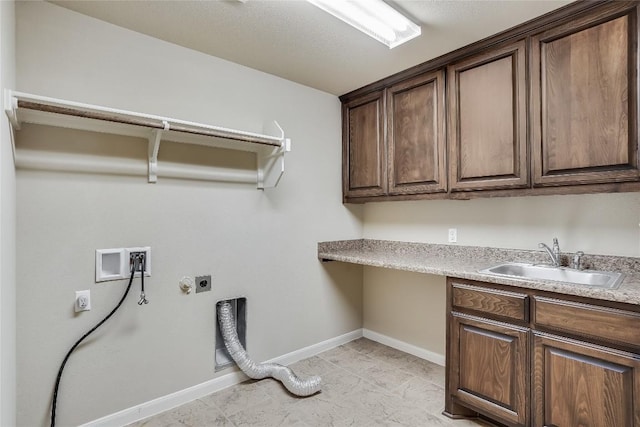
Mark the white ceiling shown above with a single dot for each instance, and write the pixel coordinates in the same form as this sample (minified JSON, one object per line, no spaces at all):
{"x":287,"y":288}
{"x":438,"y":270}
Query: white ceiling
{"x":299,"y":42}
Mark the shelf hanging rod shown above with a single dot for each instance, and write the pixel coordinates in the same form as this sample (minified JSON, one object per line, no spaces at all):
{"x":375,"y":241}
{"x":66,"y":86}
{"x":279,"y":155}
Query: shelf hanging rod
{"x":47,"y":105}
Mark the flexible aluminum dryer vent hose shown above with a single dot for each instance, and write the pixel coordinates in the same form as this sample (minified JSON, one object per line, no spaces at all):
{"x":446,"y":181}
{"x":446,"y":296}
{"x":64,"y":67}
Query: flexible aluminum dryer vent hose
{"x":259,"y":371}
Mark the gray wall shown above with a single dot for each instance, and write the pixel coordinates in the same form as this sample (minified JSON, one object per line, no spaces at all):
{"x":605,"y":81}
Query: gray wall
{"x":257,"y":244}
{"x":7,"y":227}
{"x":261,"y":245}
{"x":605,"y":224}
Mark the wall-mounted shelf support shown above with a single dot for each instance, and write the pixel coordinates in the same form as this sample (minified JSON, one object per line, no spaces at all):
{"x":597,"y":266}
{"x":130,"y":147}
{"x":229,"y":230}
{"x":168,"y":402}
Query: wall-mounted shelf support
{"x":154,"y":148}
{"x":271,"y":161}
{"x":13,"y":121}
{"x":270,"y":148}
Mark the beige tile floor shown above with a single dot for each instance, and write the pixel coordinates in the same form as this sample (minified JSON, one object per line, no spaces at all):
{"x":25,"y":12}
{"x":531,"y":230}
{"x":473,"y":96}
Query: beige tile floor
{"x":364,"y":384}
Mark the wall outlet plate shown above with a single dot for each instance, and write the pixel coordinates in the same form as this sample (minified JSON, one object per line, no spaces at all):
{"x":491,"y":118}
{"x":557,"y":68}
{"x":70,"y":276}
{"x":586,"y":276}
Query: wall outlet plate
{"x":453,"y":235}
{"x":83,"y":301}
{"x":203,"y":283}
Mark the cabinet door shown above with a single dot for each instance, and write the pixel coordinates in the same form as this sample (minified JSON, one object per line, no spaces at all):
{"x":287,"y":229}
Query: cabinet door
{"x":416,"y":135}
{"x":580,"y":384}
{"x":584,"y":99}
{"x":364,"y":155}
{"x":488,"y":368}
{"x":488,"y":120}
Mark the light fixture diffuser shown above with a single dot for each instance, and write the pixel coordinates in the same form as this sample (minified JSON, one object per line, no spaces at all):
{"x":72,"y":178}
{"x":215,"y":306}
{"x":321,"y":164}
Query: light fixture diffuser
{"x":374,"y":18}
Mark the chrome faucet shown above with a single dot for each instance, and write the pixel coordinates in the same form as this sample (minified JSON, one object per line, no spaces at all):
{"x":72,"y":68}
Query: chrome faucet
{"x":554,"y":253}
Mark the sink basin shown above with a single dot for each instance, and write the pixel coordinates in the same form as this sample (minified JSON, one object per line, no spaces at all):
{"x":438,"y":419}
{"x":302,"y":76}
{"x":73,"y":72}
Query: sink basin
{"x":593,"y":278}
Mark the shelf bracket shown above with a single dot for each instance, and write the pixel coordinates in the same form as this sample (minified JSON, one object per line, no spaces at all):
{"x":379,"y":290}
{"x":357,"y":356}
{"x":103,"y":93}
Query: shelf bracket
{"x":271,"y":161}
{"x":11,"y":109}
{"x":271,"y":165}
{"x":154,"y":148}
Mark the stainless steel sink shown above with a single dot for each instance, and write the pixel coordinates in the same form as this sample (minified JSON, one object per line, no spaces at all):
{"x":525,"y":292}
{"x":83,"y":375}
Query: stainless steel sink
{"x":593,"y":278}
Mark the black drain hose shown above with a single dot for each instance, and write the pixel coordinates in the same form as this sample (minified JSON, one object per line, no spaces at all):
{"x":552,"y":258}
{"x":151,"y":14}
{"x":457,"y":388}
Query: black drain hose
{"x":64,"y":362}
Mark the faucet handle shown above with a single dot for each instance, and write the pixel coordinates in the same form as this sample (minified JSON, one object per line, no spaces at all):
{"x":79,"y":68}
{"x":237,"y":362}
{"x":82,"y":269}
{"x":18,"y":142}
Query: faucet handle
{"x":577,"y":259}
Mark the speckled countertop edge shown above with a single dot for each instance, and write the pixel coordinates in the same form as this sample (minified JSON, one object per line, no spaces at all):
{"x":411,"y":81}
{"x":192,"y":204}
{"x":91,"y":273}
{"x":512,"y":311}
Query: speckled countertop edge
{"x":464,"y":262}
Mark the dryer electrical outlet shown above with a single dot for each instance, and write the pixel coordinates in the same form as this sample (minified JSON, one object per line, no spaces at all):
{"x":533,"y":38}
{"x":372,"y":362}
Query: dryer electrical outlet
{"x":203,"y":283}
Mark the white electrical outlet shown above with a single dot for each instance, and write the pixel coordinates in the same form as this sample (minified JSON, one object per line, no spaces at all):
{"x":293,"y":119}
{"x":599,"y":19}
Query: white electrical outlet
{"x":453,"y":235}
{"x":83,"y":300}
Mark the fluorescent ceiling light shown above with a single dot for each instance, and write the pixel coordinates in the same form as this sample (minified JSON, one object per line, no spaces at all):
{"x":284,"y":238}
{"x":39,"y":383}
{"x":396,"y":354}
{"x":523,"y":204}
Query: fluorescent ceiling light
{"x":374,"y":18}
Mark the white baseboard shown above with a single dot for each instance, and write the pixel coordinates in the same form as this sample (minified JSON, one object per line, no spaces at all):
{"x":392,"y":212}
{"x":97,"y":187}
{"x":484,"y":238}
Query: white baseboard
{"x":170,"y":401}
{"x":422,"y":353}
{"x":312,"y":350}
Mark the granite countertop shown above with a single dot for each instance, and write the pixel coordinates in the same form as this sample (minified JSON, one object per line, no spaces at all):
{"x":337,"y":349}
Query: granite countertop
{"x":465,"y":261}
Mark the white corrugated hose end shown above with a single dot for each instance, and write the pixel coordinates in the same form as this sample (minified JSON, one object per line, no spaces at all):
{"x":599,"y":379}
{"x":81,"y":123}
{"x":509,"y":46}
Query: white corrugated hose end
{"x":256,"y":371}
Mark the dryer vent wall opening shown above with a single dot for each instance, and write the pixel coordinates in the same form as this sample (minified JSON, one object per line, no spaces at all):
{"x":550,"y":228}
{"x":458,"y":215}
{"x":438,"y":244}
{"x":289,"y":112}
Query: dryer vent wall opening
{"x":239,"y":310}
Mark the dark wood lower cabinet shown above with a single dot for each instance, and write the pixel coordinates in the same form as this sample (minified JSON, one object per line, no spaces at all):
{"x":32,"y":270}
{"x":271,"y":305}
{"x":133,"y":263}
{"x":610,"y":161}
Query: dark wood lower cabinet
{"x":492,"y":365}
{"x":544,"y":365}
{"x":580,"y":384}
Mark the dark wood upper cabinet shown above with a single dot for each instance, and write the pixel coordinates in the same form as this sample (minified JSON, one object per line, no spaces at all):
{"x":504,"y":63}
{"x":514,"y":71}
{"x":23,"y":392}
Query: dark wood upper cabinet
{"x":416,"y":135}
{"x":364,"y":152}
{"x":584,"y":99}
{"x":488,"y":120}
{"x":547,"y":107}
{"x":394,"y":140}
